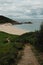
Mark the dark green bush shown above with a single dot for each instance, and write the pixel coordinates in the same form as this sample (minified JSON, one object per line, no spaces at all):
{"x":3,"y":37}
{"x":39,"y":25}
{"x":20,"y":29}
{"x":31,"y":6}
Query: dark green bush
{"x":39,"y":44}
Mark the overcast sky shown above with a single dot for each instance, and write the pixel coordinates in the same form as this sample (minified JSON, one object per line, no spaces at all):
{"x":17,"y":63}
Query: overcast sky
{"x":24,"y":9}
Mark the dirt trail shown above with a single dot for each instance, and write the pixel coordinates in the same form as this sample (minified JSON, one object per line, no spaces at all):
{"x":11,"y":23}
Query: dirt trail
{"x":28,"y":57}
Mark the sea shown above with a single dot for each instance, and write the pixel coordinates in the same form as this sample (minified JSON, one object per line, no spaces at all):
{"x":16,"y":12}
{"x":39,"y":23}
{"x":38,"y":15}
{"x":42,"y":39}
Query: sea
{"x":35,"y":26}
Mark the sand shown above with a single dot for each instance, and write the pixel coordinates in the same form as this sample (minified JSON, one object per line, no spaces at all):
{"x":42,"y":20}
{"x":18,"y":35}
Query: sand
{"x":8,"y":28}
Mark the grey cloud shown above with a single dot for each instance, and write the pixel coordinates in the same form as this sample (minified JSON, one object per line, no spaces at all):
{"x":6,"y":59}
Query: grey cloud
{"x":22,"y":8}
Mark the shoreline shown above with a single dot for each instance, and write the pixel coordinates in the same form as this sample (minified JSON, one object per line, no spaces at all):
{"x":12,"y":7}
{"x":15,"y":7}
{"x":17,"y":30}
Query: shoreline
{"x":8,"y":28}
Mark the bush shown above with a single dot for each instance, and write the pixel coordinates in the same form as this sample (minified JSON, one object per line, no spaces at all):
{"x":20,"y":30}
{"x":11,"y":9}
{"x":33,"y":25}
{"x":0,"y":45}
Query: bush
{"x":39,"y":44}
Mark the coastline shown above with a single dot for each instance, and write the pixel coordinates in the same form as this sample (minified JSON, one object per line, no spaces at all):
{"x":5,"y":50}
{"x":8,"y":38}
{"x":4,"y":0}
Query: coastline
{"x":8,"y":28}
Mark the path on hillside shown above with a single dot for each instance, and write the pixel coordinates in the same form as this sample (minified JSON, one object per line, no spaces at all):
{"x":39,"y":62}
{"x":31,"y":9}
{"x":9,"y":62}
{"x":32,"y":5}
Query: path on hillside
{"x":28,"y":57}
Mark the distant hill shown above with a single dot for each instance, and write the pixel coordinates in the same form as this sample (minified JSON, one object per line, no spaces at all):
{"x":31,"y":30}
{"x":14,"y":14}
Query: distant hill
{"x":27,"y":23}
{"x":4,"y":19}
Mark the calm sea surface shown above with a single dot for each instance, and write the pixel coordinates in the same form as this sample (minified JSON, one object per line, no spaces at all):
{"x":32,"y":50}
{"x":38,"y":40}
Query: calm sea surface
{"x":30,"y":27}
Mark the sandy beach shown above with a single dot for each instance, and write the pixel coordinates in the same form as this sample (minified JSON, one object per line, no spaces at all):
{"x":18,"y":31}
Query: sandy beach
{"x":8,"y":28}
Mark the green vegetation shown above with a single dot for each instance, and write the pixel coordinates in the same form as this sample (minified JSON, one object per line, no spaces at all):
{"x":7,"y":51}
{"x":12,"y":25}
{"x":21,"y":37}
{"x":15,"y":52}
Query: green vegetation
{"x":12,"y":45}
{"x":9,"y":49}
{"x":39,"y":44}
{"x":28,"y":38}
{"x":36,"y":40}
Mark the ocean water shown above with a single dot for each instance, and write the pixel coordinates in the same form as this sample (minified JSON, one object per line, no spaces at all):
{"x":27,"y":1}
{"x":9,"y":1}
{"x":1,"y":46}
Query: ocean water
{"x":30,"y":27}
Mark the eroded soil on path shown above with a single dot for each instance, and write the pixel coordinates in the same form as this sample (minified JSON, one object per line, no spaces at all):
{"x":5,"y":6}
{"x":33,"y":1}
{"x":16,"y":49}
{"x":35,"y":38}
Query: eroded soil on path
{"x":28,"y":57}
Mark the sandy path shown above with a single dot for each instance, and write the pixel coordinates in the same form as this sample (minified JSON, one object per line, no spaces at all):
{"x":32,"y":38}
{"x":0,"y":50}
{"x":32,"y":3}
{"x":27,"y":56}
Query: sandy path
{"x":28,"y":58}
{"x":11,"y":29}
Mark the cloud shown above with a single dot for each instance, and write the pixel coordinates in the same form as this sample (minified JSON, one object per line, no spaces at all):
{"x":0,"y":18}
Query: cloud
{"x":24,"y":9}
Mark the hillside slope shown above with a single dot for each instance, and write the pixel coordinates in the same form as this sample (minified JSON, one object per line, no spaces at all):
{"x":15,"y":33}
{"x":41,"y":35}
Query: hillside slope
{"x":4,"y":20}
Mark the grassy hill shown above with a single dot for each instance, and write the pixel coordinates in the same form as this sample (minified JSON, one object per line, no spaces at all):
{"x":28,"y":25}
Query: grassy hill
{"x":11,"y":45}
{"x":9,"y":49}
{"x":28,"y":37}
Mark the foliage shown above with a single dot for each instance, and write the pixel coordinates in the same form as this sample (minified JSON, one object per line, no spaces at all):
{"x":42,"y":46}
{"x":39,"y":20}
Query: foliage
{"x":34,"y":38}
{"x":39,"y":44}
{"x":28,"y":38}
{"x":9,"y":50}
{"x":10,"y":45}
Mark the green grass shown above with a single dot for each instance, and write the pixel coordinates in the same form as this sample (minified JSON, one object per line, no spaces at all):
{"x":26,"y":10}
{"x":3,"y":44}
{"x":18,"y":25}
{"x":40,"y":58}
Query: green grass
{"x":4,"y":35}
{"x":9,"y":50}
